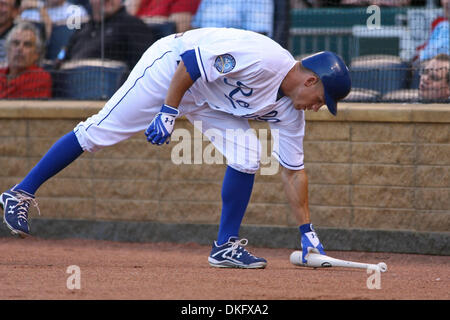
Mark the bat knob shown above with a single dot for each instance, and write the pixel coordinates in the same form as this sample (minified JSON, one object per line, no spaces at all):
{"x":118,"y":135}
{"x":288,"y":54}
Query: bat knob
{"x":382,"y":267}
{"x":296,"y":258}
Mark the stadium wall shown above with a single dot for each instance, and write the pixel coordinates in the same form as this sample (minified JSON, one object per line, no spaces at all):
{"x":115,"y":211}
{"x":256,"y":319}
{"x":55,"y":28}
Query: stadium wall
{"x":378,"y":173}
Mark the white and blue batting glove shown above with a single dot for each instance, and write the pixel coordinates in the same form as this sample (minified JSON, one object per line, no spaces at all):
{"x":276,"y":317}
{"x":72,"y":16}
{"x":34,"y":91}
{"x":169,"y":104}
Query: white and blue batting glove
{"x":162,"y":125}
{"x":310,"y":241}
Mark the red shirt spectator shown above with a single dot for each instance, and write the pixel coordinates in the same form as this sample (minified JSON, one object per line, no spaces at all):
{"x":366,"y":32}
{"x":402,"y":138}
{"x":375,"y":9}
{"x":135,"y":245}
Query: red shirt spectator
{"x":166,"y":7}
{"x":35,"y":82}
{"x":178,"y":11}
{"x":22,"y":78}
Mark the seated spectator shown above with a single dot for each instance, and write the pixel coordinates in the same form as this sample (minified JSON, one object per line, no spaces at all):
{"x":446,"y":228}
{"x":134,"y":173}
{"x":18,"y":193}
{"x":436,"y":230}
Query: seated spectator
{"x":57,"y":19}
{"x":254,"y":15}
{"x":23,"y":78}
{"x":435,"y":79}
{"x":439,"y":39}
{"x":156,"y":11}
{"x":122,"y":37}
{"x":46,"y":27}
{"x":9,"y":9}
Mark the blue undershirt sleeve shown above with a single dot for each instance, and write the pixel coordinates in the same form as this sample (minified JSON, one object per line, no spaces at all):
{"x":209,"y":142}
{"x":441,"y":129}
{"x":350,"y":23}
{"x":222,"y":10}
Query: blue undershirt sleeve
{"x":190,"y":62}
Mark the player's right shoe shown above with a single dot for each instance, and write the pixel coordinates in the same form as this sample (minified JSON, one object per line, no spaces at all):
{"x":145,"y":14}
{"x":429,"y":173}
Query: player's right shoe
{"x":233,"y":255}
{"x":15,"y":205}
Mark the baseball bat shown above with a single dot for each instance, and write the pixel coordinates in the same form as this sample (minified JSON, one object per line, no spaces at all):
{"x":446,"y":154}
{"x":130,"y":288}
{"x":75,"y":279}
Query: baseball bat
{"x":316,"y":260}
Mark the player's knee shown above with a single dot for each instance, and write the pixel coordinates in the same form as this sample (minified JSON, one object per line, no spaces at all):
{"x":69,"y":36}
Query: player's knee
{"x":245,"y":154}
{"x":84,"y":141}
{"x":92,"y":141}
{"x":250,"y":168}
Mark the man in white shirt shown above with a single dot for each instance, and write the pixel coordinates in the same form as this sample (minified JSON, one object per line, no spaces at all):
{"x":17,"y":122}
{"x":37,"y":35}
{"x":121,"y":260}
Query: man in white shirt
{"x":219,"y":78}
{"x":253,"y":15}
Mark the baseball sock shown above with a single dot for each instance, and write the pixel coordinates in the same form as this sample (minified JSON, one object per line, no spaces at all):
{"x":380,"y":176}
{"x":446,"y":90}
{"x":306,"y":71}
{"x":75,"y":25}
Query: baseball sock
{"x":236,"y":191}
{"x":59,"y":156}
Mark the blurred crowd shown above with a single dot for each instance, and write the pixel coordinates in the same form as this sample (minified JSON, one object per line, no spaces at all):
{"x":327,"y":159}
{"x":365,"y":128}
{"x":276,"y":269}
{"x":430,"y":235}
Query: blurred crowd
{"x":356,"y":3}
{"x":40,"y":39}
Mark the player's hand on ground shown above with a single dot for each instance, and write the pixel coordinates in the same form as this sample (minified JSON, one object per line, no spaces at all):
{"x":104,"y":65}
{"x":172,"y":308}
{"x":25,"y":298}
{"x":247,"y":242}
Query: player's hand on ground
{"x":310,"y":241}
{"x":162,"y":125}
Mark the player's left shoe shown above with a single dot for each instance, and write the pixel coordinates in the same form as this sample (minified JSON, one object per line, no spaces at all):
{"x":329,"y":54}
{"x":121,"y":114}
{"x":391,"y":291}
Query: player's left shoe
{"x":233,"y":255}
{"x":15,"y":205}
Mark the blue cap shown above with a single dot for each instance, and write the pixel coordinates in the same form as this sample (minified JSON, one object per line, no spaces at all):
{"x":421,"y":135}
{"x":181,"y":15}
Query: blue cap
{"x":334,"y":75}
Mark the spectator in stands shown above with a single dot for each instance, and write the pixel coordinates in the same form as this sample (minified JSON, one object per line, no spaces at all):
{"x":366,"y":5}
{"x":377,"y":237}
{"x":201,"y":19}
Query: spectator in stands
{"x":254,"y":15}
{"x":23,"y":78}
{"x":9,"y":9}
{"x":123,"y":36}
{"x":435,"y":79}
{"x":439,"y":39}
{"x":156,"y":11}
{"x":38,"y":6}
{"x":51,"y":16}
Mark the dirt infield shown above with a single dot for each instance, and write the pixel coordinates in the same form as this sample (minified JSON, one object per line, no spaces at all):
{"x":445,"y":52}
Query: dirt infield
{"x":35,"y":269}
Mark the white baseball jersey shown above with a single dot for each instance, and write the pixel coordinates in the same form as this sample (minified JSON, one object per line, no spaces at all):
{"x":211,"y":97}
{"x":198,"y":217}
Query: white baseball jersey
{"x":241,"y":71}
{"x":237,"y":77}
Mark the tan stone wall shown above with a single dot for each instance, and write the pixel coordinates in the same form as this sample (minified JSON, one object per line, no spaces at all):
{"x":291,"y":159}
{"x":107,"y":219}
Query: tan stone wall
{"x":374,"y":166}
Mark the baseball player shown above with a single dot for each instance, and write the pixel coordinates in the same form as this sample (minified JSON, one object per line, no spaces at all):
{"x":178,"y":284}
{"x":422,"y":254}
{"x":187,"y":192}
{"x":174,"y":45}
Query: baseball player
{"x":219,"y":78}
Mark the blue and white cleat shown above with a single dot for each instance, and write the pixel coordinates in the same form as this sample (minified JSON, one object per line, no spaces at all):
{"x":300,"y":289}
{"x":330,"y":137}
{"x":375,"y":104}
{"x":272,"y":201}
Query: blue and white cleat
{"x":233,"y":255}
{"x":15,"y":205}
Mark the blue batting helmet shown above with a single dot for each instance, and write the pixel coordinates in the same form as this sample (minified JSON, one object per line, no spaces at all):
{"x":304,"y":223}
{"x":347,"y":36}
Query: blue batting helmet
{"x":334,"y":75}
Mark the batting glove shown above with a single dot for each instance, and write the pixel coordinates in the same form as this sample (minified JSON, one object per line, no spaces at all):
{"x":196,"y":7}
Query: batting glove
{"x":310,"y":241}
{"x":162,"y":125}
